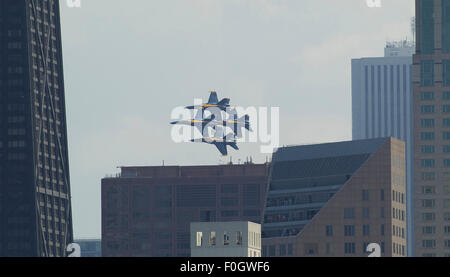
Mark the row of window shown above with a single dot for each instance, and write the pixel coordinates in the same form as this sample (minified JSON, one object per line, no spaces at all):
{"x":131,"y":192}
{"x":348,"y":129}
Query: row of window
{"x":430,"y":96}
{"x":431,"y":163}
{"x":431,"y":243}
{"x":431,"y":176}
{"x":431,"y":203}
{"x":430,"y":109}
{"x":431,"y":216}
{"x":254,"y":239}
{"x":349,"y":230}
{"x":431,"y":149}
{"x":431,"y":123}
{"x":427,"y":136}
{"x":431,"y":230}
{"x":427,"y":76}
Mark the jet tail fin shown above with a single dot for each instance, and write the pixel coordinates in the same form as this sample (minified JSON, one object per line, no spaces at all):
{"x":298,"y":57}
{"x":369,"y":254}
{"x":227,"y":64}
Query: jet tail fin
{"x":224,"y":102}
{"x":213,"y":98}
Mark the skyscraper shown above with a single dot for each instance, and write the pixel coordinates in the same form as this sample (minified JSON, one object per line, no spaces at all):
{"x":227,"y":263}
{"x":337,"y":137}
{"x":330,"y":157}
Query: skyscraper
{"x":382,"y":106}
{"x":432,"y":128}
{"x":335,"y":199}
{"x":35,"y":204}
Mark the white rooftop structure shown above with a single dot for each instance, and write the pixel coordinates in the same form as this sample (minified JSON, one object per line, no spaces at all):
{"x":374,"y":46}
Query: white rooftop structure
{"x":225,"y":239}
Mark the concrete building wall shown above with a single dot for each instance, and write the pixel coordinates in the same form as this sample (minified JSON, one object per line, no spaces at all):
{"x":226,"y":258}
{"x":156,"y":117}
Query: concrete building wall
{"x":147,"y":211}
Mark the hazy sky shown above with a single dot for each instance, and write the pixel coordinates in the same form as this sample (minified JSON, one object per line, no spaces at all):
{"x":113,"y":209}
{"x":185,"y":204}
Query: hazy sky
{"x":128,"y":63}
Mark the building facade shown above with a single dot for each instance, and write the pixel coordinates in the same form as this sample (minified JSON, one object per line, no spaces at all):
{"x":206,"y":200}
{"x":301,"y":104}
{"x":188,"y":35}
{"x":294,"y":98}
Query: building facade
{"x":147,"y":211}
{"x":90,"y":248}
{"x":35,"y":205}
{"x":225,"y":239}
{"x":334,"y":200}
{"x":382,"y":106}
{"x":431,"y":84}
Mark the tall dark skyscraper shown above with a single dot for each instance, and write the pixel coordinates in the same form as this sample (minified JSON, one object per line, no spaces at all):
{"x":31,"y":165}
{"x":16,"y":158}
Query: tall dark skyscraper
{"x":35,"y":205}
{"x":432,"y":129}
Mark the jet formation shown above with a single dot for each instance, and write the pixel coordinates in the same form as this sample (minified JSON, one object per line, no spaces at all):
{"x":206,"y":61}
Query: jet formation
{"x":222,"y":117}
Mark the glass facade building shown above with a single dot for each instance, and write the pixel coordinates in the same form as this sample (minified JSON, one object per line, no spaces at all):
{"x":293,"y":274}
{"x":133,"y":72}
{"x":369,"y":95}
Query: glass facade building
{"x":35,"y":205}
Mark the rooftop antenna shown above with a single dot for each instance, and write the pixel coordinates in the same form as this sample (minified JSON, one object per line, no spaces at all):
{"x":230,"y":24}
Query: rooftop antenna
{"x":413,"y":28}
{"x":163,"y":163}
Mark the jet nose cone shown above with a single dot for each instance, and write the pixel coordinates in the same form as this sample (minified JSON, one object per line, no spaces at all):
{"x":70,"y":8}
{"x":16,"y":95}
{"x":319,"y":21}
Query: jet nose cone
{"x":190,"y":107}
{"x":174,"y":122}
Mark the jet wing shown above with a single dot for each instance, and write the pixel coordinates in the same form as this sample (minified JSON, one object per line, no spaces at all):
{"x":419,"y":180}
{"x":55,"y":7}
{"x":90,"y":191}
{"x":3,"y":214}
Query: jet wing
{"x":213,"y":100}
{"x":222,"y":147}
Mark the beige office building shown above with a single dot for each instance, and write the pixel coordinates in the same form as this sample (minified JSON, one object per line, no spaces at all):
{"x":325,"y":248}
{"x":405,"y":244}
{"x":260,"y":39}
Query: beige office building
{"x":431,"y":84}
{"x":335,"y":199}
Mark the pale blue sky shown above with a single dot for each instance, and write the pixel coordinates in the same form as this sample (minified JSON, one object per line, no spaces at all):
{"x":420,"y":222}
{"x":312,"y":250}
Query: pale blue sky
{"x":128,"y":63}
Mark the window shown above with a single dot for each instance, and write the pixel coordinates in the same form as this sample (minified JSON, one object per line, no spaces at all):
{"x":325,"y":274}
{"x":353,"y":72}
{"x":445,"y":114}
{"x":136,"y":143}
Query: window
{"x":447,"y":229}
{"x":272,"y":251}
{"x":382,"y":194}
{"x":447,"y":243}
{"x":226,"y":238}
{"x":428,"y":203}
{"x":349,"y":248}
{"x":446,"y":72}
{"x":239,"y":238}
{"x":446,"y":149}
{"x":282,"y":250}
{"x":427,"y":23}
{"x":366,"y":230}
{"x":429,"y":230}
{"x":446,"y":95}
{"x":349,"y":213}
{"x":427,"y":136}
{"x":365,"y":195}
{"x":329,"y":231}
{"x":446,"y":135}
{"x":427,"y":123}
{"x":428,"y":216}
{"x":446,"y":122}
{"x":199,"y":239}
{"x":428,"y":163}
{"x":427,"y":73}
{"x":427,"y":109}
{"x":290,"y":249}
{"x":212,"y":238}
{"x":428,"y":149}
{"x":428,"y":190}
{"x":429,"y":243}
{"x":349,"y":230}
{"x":446,"y":108}
{"x":446,"y":162}
{"x":426,"y":96}
{"x":382,"y":229}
